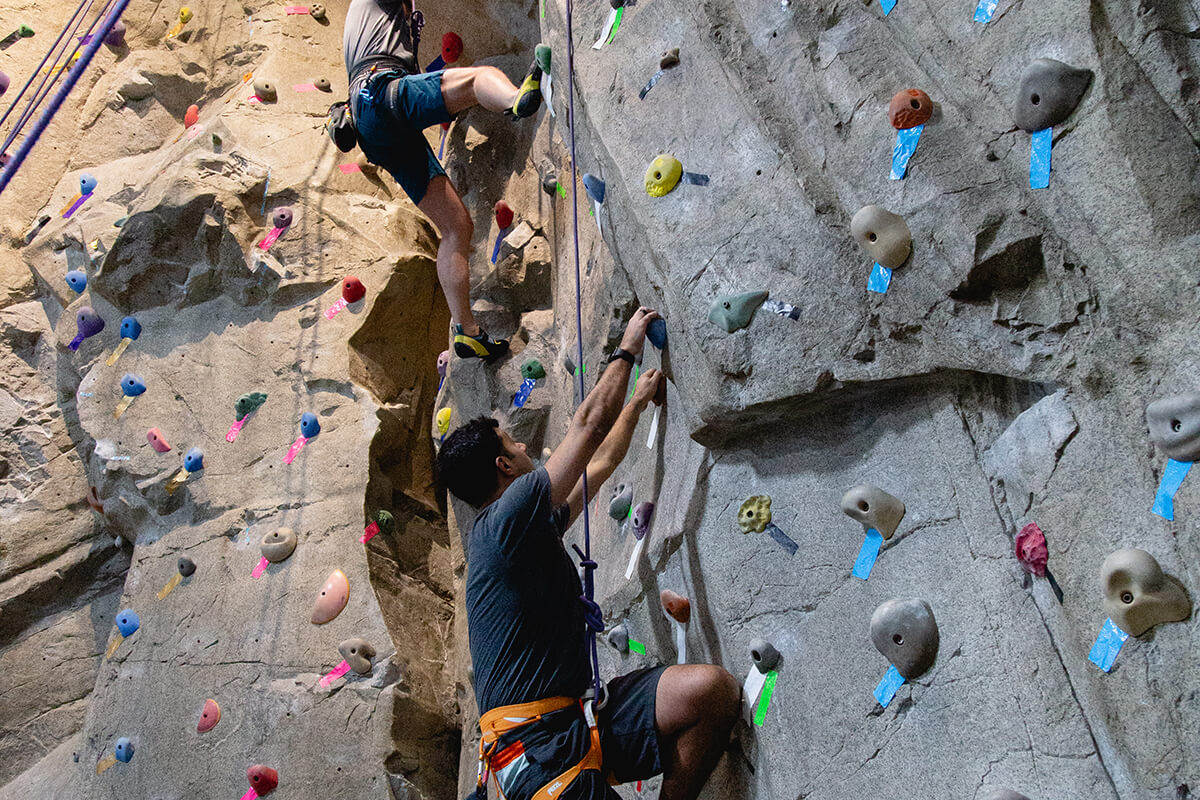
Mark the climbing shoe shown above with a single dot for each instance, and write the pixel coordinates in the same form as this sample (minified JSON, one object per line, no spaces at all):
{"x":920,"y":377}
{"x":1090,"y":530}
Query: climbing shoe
{"x":529,"y":96}
{"x":480,"y":346}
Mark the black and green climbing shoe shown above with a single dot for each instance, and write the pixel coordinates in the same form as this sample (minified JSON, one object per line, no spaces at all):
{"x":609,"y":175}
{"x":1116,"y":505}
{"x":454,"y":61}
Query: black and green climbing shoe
{"x":480,"y":346}
{"x":529,"y":96}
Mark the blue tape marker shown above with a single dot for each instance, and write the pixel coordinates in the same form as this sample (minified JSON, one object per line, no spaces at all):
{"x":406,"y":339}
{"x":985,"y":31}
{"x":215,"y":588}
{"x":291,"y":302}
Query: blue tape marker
{"x":887,"y":6}
{"x":906,"y":145}
{"x":1172,"y":479}
{"x":785,"y":541}
{"x":442,"y":146}
{"x":436,"y":64}
{"x":1108,"y":644}
{"x":523,"y":393}
{"x":880,"y":280}
{"x":499,"y":239}
{"x":1039,"y":158}
{"x":887,"y":688}
{"x":867,"y":555}
{"x":984,"y":11}
{"x":266,"y":187}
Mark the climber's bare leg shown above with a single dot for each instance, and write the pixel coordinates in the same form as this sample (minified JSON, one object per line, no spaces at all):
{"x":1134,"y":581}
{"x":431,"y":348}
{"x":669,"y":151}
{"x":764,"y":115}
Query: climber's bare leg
{"x":445,"y":209}
{"x":695,"y":708}
{"x":463,"y":87}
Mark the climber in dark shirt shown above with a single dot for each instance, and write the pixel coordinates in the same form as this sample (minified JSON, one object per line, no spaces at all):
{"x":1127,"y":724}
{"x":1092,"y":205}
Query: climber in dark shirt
{"x":391,"y":103}
{"x":526,"y":623}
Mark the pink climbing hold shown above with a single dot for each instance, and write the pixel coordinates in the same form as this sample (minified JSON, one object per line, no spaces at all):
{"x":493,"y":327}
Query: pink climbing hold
{"x":1032,"y":550}
{"x":452,"y":47}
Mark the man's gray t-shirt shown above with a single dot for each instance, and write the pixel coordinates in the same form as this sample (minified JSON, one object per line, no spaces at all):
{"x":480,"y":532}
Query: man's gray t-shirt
{"x":377,"y":29}
{"x":524,"y":617}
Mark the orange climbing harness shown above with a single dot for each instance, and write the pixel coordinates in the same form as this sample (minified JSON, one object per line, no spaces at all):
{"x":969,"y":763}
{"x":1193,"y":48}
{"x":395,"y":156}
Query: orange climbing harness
{"x":506,"y":761}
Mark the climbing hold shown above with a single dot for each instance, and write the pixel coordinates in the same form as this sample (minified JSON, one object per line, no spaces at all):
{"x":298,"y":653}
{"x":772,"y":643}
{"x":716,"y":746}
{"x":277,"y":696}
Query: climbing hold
{"x":209,"y":717}
{"x":452,"y":47}
{"x":87,"y":183}
{"x":670,"y":59}
{"x":550,"y":182}
{"x":909,"y":108}
{"x":116,"y":36}
{"x":884,"y":235}
{"x":755,"y":514}
{"x":193,"y":460}
{"x":128,"y":622}
{"x":616,"y":4}
{"x":277,"y":545}
{"x":1137,"y":595}
{"x":618,"y":637}
{"x":249,"y":403}
{"x":323,"y":84}
{"x":265,"y":91}
{"x":332,"y":599}
{"x":94,"y":501}
{"x":678,"y":607}
{"x":735,"y":311}
{"x":191,"y":116}
{"x":124,"y":750}
{"x":185,"y":15}
{"x":443,"y":421}
{"x":504,"y":215}
{"x":907,"y":635}
{"x":1174,"y":424}
{"x":594,"y":187}
{"x":622,"y":500}
{"x":186,"y":567}
{"x":353,"y":289}
{"x":358,"y":654}
{"x":443,"y":361}
{"x":874,"y":508}
{"x":309,"y":426}
{"x":641,"y":518}
{"x":656,"y":332}
{"x":88,"y":323}
{"x":156,"y":439}
{"x":263,"y":780}
{"x":1031,"y":549}
{"x":130,"y":328}
{"x":1050,"y":90}
{"x":663,"y":175}
{"x":77,"y":280}
{"x":1001,"y":794}
{"x":764,"y":655}
{"x":132,"y":385}
{"x":533,"y":369}
{"x":5,"y":82}
{"x":317,"y":11}
{"x":385,"y":521}
{"x":282,"y":218}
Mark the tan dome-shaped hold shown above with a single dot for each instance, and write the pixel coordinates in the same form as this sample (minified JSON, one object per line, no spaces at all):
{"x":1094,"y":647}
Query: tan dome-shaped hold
{"x":884,"y":235}
{"x":358,"y":654}
{"x":323,"y":84}
{"x":316,"y":11}
{"x":678,"y":607}
{"x":277,"y":545}
{"x":909,"y":108}
{"x":874,"y":508}
{"x":332,"y":598}
{"x":265,"y":90}
{"x":1138,"y":595}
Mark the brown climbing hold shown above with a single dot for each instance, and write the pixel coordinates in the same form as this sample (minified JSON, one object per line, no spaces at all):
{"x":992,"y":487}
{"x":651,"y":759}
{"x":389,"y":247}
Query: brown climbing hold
{"x":323,"y":84}
{"x":884,"y":235}
{"x":358,"y":654}
{"x":1138,"y":595}
{"x":907,"y":635}
{"x":277,"y":545}
{"x":94,"y":501}
{"x":669,"y":59}
{"x":209,"y":717}
{"x":874,"y":508}
{"x":317,"y":11}
{"x":265,"y":91}
{"x":263,"y":779}
{"x":909,"y":108}
{"x":332,"y":599}
{"x":678,"y":607}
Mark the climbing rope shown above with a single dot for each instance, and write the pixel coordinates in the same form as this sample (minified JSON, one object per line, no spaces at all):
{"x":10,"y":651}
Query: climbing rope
{"x":73,"y":75}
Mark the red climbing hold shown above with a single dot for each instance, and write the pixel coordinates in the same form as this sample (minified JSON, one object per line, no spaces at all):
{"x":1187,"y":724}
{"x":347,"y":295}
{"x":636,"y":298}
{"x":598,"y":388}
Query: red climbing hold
{"x":262,"y":779}
{"x":353,"y":289}
{"x":452,"y":47}
{"x":504,"y":215}
{"x":1032,"y":550}
{"x":192,"y":116}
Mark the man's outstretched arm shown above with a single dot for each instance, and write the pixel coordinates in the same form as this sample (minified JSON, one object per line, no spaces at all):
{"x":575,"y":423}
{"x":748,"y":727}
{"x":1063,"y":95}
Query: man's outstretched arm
{"x":596,"y":414}
{"x":612,"y":451}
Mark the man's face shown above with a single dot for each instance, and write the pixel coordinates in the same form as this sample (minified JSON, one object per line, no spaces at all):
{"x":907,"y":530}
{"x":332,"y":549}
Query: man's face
{"x":515,"y":453}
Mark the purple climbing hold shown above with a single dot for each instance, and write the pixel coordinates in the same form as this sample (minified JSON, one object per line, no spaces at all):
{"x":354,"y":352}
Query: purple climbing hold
{"x":88,"y":323}
{"x":116,"y":36}
{"x":282,"y":218}
{"x":4,"y":83}
{"x":641,"y":518}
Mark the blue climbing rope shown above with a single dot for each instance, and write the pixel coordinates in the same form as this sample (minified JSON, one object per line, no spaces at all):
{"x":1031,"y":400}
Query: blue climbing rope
{"x":73,"y":76}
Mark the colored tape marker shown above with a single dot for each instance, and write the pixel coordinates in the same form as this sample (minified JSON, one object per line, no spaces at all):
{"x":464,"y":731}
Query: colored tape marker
{"x":609,"y":30}
{"x":271,"y":238}
{"x":334,"y":309}
{"x":259,"y":568}
{"x":653,"y":428}
{"x":442,"y":144}
{"x":176,"y":481}
{"x":880,"y":280}
{"x":335,"y":673}
{"x":523,"y":393}
{"x":888,"y":686}
{"x":75,"y":206}
{"x":654,"y":79}
{"x":1172,"y":479}
{"x":170,"y":586}
{"x":633,"y":558}
{"x":499,"y":238}
{"x":114,"y":644}
{"x":906,"y":145}
{"x":369,"y":533}
{"x":236,"y":428}
{"x":768,"y":689}
{"x":785,"y":541}
{"x":1108,"y":645}
{"x":296,"y":447}
{"x":637,"y":647}
{"x":548,"y":92}
{"x":116,"y":353}
{"x":694,"y":178}
{"x":984,"y":11}
{"x":1039,"y":158}
{"x":887,"y":6}
{"x":436,"y":64}
{"x":304,"y":87}
{"x":123,"y":406}
{"x":348,"y":169}
{"x":292,"y":10}
{"x":105,"y":763}
{"x":785,"y":310}
{"x":867,"y":555}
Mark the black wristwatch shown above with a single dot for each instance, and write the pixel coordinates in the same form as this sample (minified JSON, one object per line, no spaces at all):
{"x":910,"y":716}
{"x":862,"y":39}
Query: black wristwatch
{"x":625,"y":354}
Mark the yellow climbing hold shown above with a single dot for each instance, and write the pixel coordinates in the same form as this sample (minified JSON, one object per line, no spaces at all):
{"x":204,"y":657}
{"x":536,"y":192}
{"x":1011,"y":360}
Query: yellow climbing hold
{"x":663,"y":175}
{"x":185,"y":15}
{"x":443,"y":421}
{"x":755,"y":514}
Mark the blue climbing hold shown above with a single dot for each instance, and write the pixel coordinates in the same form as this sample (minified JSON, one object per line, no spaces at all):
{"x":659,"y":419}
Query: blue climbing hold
{"x":194,"y":460}
{"x":128,"y":622}
{"x":594,"y":187}
{"x":130,"y":328}
{"x":124,"y":750}
{"x":132,"y":385}
{"x":309,"y":427}
{"x":77,"y":280}
{"x":87,"y":183}
{"x":656,"y":332}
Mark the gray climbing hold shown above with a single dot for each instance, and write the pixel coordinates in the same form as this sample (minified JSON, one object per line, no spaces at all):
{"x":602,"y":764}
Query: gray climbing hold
{"x":874,"y":508}
{"x":735,"y":311}
{"x":1175,"y":425}
{"x":186,"y":567}
{"x":358,"y":654}
{"x":907,"y":635}
{"x":1137,"y":595}
{"x":1050,"y":91}
{"x":884,"y":235}
{"x":764,"y":655}
{"x":622,"y":501}
{"x":618,"y":637}
{"x":550,"y":182}
{"x":265,"y":91}
{"x":277,"y":545}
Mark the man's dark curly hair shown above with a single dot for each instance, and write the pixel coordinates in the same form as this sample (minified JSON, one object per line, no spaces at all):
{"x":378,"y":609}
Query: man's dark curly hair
{"x":467,"y":461}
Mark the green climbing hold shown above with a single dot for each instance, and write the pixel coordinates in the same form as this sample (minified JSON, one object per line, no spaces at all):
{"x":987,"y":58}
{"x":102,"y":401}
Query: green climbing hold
{"x":533,"y":369}
{"x":541,"y":54}
{"x":734,"y":311}
{"x":249,"y":403}
{"x":25,"y":31}
{"x":385,"y":521}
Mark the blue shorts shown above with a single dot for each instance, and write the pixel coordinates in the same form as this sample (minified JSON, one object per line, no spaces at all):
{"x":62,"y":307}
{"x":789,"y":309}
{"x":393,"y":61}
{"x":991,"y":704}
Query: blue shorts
{"x":390,"y":113}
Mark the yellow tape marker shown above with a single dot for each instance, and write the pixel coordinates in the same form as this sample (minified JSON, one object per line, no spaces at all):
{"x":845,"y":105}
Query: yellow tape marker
{"x":112,"y":648}
{"x":170,"y":587}
{"x":106,"y":762}
{"x":122,"y":406}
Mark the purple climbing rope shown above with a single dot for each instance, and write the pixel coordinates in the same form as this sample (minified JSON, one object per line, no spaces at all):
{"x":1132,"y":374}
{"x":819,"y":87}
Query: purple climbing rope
{"x":73,"y":75}
{"x":37,"y":70}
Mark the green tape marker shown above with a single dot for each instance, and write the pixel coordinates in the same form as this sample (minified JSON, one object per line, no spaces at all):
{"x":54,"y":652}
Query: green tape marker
{"x":617,"y":24}
{"x":562,"y":190}
{"x":760,"y":713}
{"x":636,"y":374}
{"x":543,"y":9}
{"x":637,"y":647}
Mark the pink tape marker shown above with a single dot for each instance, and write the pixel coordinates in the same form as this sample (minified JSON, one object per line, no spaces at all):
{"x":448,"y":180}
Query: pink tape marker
{"x":349,"y":169}
{"x":296,"y":9}
{"x":335,"y":673}
{"x":250,"y":794}
{"x":253,"y":99}
{"x":370,"y":533}
{"x":271,"y":238}
{"x":235,"y":429}
{"x":304,"y":87}
{"x":259,"y":568}
{"x":296,"y":447}
{"x":194,"y":131}
{"x":332,"y":311}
